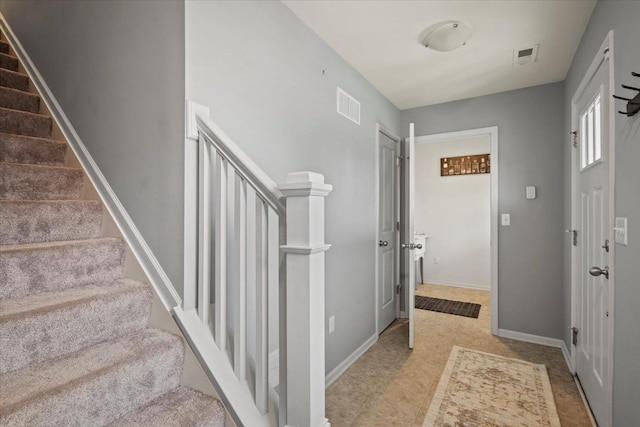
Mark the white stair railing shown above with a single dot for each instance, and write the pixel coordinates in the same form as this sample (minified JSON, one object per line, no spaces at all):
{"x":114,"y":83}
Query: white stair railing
{"x":227,"y":314}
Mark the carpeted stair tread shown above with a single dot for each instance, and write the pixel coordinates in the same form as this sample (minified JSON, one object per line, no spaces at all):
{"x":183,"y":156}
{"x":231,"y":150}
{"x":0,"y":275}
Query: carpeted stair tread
{"x":14,"y":79}
{"x":51,"y":220}
{"x":23,"y":123}
{"x":18,"y":100}
{"x":49,"y":325}
{"x":40,"y":182}
{"x":31,"y":150}
{"x":177,"y":408}
{"x":8,"y":62}
{"x":94,"y":386}
{"x":43,"y":267}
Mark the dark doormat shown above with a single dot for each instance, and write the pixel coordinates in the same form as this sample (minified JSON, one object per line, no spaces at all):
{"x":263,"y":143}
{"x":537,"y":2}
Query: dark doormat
{"x":459,"y":308}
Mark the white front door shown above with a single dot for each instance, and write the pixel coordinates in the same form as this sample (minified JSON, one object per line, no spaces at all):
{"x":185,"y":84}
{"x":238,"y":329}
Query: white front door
{"x":387,"y":245}
{"x":407,"y":229}
{"x":591,"y":198}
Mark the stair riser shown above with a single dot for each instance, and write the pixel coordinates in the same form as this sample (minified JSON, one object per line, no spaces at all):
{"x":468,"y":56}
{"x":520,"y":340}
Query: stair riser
{"x":23,"y":123}
{"x":104,"y":396}
{"x":23,"y":182}
{"x":31,"y":271}
{"x":14,"y":80}
{"x":17,"y":100}
{"x":24,"y":222}
{"x":25,"y":150}
{"x":58,"y":333}
{"x":8,"y":62}
{"x":4,"y":47}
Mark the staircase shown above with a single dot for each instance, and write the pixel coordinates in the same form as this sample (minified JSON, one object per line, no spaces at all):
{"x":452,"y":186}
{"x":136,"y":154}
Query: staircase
{"x":75,"y":343}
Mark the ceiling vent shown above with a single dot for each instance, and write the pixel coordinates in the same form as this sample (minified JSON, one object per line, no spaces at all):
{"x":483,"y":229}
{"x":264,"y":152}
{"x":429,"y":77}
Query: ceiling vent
{"x":526,"y":56}
{"x":348,"y":106}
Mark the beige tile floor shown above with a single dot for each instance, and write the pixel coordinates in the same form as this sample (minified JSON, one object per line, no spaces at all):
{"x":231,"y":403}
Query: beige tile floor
{"x":391,"y":385}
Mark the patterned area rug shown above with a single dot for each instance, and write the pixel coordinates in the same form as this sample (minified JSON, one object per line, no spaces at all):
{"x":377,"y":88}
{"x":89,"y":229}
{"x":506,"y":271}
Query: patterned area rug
{"x":459,"y":308}
{"x":485,"y":390}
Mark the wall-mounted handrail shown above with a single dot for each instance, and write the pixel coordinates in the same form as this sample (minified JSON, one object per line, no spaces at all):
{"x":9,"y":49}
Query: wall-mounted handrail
{"x":265,"y":186}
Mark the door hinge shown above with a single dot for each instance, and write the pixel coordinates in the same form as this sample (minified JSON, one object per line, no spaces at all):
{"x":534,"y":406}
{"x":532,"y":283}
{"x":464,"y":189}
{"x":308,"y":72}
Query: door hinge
{"x":398,"y":287}
{"x":574,"y":335}
{"x":398,"y":160}
{"x":574,"y":236}
{"x":398,"y":225}
{"x":574,"y":138}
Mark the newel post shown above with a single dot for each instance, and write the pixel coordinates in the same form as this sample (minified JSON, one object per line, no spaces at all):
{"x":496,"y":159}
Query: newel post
{"x":305,"y":248}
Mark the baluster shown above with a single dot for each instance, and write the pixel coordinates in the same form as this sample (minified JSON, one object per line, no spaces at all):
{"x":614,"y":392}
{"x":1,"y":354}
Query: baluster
{"x":240,"y":304}
{"x":262,"y":300}
{"x":232,"y":260}
{"x":204,"y":227}
{"x":220,"y":280}
{"x":252,"y":201}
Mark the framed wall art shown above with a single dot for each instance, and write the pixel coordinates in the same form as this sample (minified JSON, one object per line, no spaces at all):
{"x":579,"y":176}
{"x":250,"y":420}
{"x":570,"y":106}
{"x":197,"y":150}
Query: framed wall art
{"x":465,"y":165}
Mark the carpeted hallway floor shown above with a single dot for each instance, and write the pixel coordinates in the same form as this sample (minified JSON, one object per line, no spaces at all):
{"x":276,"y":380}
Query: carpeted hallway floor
{"x":391,"y":385}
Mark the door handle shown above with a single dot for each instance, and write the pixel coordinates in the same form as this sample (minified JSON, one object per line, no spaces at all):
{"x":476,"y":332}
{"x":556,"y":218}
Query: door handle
{"x":419,"y":246}
{"x":409,"y":246}
{"x":597,"y":271}
{"x":383,"y":243}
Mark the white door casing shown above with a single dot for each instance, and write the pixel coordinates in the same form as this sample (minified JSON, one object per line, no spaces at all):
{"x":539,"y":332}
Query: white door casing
{"x":388,"y":274}
{"x":407,"y":230}
{"x":592,"y":214}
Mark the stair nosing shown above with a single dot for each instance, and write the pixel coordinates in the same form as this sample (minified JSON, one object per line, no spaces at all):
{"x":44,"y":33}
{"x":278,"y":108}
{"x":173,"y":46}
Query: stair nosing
{"x":41,"y":139}
{"x":51,"y":202}
{"x":56,"y":244}
{"x":32,"y":165}
{"x":31,"y":94}
{"x":21,"y":74}
{"x":26,"y":112}
{"x":97,"y":291}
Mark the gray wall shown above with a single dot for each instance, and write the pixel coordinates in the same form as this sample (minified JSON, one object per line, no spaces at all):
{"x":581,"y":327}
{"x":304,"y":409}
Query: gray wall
{"x":623,"y":17}
{"x":271,"y":85}
{"x":117,"y":70}
{"x":530,"y":141}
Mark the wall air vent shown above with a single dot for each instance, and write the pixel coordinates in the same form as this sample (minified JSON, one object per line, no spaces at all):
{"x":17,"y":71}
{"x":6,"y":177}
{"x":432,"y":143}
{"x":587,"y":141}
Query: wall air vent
{"x":526,"y":56}
{"x":348,"y":106}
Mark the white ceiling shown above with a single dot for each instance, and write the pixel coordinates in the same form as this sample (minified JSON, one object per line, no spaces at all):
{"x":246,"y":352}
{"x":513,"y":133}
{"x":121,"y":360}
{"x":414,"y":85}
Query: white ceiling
{"x":381,"y":39}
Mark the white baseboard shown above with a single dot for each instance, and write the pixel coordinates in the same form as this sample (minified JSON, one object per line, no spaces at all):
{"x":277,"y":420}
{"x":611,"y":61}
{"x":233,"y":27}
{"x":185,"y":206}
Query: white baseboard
{"x":567,"y":357}
{"x":535,"y":339}
{"x":350,"y":360}
{"x":459,"y":285}
{"x":147,"y":260}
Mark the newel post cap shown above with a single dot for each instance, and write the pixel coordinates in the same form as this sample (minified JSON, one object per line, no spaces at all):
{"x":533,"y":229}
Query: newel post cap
{"x":305,"y":183}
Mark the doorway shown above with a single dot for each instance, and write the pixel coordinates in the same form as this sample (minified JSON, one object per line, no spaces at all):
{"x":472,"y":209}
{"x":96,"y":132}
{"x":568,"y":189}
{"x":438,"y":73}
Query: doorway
{"x":387,"y":257}
{"x":491,"y":135}
{"x":592,"y":119}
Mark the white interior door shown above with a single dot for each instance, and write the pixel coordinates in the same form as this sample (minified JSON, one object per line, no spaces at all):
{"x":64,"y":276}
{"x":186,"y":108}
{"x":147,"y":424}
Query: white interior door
{"x":387,"y":245}
{"x":591,"y":109}
{"x":407,"y":245}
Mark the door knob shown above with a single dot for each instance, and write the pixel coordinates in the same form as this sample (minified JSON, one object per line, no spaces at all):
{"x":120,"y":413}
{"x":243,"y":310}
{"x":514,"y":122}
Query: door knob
{"x":409,"y":246}
{"x":419,"y":246}
{"x":383,"y":243}
{"x":597,"y":271}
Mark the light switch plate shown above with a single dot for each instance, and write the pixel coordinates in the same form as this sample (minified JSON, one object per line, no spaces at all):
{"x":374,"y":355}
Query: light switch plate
{"x":193,"y":109}
{"x":620,"y":231}
{"x":506,"y":219}
{"x":530,"y":192}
